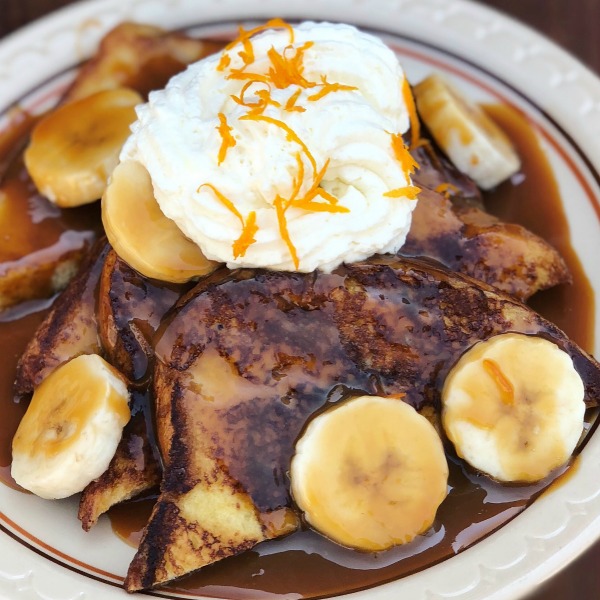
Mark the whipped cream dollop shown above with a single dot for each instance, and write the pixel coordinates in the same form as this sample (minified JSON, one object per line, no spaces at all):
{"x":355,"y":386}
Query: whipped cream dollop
{"x":284,"y":151}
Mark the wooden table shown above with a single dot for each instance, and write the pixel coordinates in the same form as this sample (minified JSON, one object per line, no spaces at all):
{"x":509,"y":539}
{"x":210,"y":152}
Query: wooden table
{"x":575,"y":25}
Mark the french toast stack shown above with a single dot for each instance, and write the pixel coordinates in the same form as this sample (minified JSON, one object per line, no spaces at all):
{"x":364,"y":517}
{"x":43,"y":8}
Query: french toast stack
{"x":224,"y":372}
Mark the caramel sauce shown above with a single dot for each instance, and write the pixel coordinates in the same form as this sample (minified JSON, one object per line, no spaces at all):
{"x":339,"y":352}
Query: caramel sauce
{"x":533,"y":200}
{"x":129,"y":519}
{"x":40,"y":243}
{"x":305,"y":564}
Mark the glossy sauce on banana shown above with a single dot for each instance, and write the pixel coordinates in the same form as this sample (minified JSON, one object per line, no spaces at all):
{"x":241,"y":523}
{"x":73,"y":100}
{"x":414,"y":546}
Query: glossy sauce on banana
{"x":35,"y":235}
{"x":305,"y":564}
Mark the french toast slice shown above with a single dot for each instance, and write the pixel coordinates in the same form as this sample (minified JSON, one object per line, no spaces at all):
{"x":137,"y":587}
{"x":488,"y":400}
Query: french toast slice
{"x":141,"y":57}
{"x":41,"y":246}
{"x":44,"y":245}
{"x":69,"y":329}
{"x":135,"y":469}
{"x":455,"y":230}
{"x":249,"y":356}
{"x":130,"y":308}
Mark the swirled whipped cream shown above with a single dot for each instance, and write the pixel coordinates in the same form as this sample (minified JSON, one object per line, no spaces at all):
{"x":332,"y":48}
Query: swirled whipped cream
{"x":284,"y":151}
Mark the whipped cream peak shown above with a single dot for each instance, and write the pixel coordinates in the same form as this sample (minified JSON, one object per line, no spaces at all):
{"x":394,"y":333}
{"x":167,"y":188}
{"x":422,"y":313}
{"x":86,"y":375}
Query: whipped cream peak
{"x":285,"y":150}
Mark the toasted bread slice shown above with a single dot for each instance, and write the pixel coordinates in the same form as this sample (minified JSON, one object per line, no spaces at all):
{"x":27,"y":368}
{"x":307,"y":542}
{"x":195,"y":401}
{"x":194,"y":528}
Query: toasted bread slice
{"x":130,"y":308}
{"x":41,"y":246}
{"x":249,"y":356}
{"x":135,"y":468}
{"x":39,"y":255}
{"x":469,"y":240}
{"x":455,"y":230}
{"x":141,"y":57}
{"x":69,"y":329}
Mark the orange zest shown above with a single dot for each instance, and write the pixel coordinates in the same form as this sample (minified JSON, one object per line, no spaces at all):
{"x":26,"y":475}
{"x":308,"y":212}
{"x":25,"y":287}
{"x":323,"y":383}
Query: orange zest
{"x":408,"y":191}
{"x":246,"y":239}
{"x":247,"y":54}
{"x":263,"y":98}
{"x":291,"y":136}
{"x":311,"y":206}
{"x":415,"y":124}
{"x":285,"y":70}
{"x":228,"y":141}
{"x":249,"y":226}
{"x":224,"y":200}
{"x":446,"y":189}
{"x":327,"y":88}
{"x":403,"y":156}
{"x":290,"y":105}
{"x":299,"y":178}
{"x":224,"y":62}
{"x":283,"y":229}
{"x":505,"y":387}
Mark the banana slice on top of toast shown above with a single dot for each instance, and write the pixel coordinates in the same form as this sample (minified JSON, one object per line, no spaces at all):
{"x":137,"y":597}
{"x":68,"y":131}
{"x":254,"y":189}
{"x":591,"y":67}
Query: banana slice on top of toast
{"x":142,"y":235}
{"x":471,"y":139}
{"x":514,"y":407}
{"x":369,"y":473}
{"x":249,"y":357}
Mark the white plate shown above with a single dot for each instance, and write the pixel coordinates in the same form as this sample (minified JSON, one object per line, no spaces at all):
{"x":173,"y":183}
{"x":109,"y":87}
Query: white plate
{"x":43,"y":552}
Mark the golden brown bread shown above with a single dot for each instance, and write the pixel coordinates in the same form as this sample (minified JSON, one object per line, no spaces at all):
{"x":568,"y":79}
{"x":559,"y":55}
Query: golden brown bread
{"x":142,"y":57}
{"x":69,"y":329}
{"x":455,"y":230}
{"x":34,"y":266}
{"x":250,"y":355}
{"x":41,"y":246}
{"x":73,"y":327}
{"x":130,"y":308}
{"x":135,"y":468}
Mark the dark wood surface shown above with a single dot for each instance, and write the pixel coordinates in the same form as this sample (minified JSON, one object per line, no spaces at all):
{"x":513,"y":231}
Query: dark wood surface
{"x":575,"y":25}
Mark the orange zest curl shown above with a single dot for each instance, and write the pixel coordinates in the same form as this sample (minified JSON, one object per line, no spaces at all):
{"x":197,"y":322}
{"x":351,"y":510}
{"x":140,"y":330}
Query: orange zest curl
{"x":228,"y":141}
{"x":224,"y":200}
{"x":505,"y":387}
{"x":415,"y":124}
{"x":287,"y":68}
{"x":224,"y":62}
{"x":283,"y":229}
{"x":300,"y":177}
{"x":290,"y":105}
{"x":249,"y":226}
{"x":327,"y":88}
{"x":246,"y":239}
{"x":247,"y":54}
{"x":291,"y":136}
{"x":263,"y":99}
{"x":311,"y":206}
{"x":403,"y":156}
{"x":409,"y":191}
{"x":447,"y":190}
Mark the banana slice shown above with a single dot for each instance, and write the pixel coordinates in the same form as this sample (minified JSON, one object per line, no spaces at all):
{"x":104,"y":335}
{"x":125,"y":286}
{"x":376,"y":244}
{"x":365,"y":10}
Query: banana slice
{"x":472,"y":141}
{"x":74,"y":148}
{"x":370,"y":473}
{"x":141,"y":234}
{"x":513,"y":407}
{"x":71,"y":429}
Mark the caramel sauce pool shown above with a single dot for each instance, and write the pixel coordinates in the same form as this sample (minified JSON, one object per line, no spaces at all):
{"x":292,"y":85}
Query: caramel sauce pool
{"x":304,"y":564}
